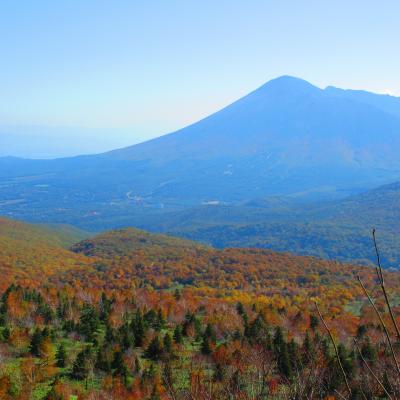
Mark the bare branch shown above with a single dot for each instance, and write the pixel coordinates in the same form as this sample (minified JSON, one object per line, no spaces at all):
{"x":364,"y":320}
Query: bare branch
{"x":335,"y":347}
{"x":370,"y":370}
{"x":382,"y":324}
{"x":383,"y":287}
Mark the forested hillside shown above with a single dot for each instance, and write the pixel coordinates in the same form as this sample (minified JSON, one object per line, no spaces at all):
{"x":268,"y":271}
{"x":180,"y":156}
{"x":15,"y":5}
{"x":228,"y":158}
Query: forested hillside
{"x":130,"y":315}
{"x":54,"y":235}
{"x":338,"y":230}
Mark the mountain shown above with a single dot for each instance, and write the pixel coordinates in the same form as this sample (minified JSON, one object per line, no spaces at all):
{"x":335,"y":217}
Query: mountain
{"x":281,"y":114}
{"x":287,"y":138}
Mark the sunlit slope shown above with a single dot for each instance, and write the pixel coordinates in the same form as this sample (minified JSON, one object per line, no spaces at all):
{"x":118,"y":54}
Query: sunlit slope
{"x":53,"y":235}
{"x":127,"y":255}
{"x":130,"y":258}
{"x":124,"y":241}
{"x":34,"y":256}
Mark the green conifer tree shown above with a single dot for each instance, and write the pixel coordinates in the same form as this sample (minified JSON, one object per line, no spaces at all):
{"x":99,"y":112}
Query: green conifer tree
{"x":36,"y":341}
{"x":61,"y":356}
{"x":178,"y":336}
{"x":81,"y":366}
{"x":167,"y":344}
{"x":154,"y":350}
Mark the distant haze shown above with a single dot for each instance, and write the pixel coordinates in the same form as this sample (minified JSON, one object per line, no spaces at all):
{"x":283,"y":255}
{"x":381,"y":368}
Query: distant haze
{"x":43,"y":142}
{"x":49,"y":142}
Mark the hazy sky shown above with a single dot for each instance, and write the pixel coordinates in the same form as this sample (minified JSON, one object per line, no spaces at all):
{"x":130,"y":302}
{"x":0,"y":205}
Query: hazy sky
{"x":143,"y":68}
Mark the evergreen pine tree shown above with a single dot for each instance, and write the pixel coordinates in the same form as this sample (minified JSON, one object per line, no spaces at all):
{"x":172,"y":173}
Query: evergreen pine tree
{"x":361,"y":331}
{"x":197,"y":329}
{"x":167,"y":344}
{"x":151,"y":318}
{"x":210,"y":333}
{"x":282,"y":354}
{"x":80,"y":369}
{"x":314,"y":322}
{"x":178,"y":336}
{"x":219,"y":372}
{"x":308,"y":349}
{"x":154,"y":350}
{"x":119,"y":367}
{"x":368,"y":351}
{"x":6,"y":333}
{"x":36,"y":341}
{"x":206,"y":346}
{"x":240,"y":308}
{"x":346,"y":359}
{"x":109,"y":336}
{"x":293,"y":353}
{"x":61,"y":356}
{"x":89,"y":322}
{"x":102,"y":361}
{"x":2,"y":319}
{"x":257,"y":330}
{"x":126,"y":338}
{"x":160,"y":322}
{"x":386,"y":383}
{"x":138,"y":329}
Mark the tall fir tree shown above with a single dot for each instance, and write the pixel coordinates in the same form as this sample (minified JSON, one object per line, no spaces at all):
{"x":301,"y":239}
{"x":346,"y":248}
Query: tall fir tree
{"x":61,"y":356}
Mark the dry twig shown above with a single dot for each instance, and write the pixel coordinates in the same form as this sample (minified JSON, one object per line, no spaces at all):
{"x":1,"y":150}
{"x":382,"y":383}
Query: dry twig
{"x":335,"y":347}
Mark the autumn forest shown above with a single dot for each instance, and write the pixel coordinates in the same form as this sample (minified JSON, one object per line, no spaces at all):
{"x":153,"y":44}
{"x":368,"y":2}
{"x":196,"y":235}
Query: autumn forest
{"x":132,"y":315}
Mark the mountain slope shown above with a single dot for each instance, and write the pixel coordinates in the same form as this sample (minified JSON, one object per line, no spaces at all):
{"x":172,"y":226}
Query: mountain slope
{"x":287,"y":137}
{"x":130,"y":258}
{"x":165,"y":262}
{"x":145,"y":300}
{"x":384,"y":102}
{"x":51,"y":235}
{"x":278,"y":115}
{"x":34,"y":255}
{"x":271,"y":142}
{"x":338,"y":229}
{"x":123,"y":241}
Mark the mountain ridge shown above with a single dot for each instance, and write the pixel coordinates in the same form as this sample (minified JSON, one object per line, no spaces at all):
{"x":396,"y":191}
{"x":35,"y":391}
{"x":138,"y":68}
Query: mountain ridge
{"x":287,"y":139}
{"x":385,"y":102}
{"x":268,"y":104}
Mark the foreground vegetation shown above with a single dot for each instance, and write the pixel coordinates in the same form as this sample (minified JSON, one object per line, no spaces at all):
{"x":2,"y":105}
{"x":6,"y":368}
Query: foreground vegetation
{"x":128,"y":315}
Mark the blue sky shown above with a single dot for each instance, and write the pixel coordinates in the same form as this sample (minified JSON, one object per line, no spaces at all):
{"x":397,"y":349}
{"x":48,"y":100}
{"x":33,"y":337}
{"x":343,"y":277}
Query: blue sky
{"x":131,"y":70}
